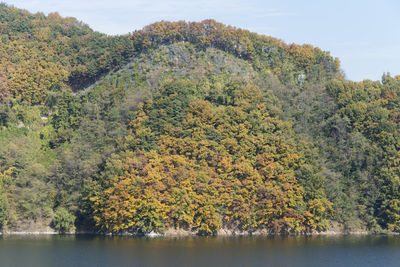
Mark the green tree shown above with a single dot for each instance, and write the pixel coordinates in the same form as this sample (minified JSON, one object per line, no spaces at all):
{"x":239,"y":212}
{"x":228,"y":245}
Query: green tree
{"x":63,"y":221}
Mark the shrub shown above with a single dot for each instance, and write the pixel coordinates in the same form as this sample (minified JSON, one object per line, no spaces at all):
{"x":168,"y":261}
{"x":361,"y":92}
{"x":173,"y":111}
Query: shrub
{"x":4,"y":207}
{"x":63,"y":221}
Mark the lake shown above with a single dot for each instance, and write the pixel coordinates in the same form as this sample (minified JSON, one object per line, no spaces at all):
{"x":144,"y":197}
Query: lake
{"x":87,"y":250}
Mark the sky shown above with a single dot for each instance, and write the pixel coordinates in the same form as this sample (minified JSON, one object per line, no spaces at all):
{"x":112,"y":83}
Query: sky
{"x":364,"y":35}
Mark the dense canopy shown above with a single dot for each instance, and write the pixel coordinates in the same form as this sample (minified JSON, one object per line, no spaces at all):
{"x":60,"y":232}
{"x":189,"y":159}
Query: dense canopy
{"x":194,"y":126}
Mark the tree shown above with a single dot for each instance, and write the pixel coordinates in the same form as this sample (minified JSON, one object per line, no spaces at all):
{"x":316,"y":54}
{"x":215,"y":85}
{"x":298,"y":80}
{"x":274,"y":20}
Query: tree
{"x":4,"y":205}
{"x":63,"y":221}
{"x":4,"y":90}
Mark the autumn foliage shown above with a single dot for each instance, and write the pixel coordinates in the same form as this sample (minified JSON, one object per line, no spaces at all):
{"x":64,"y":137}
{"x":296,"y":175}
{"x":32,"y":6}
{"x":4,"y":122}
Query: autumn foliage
{"x":225,"y":165}
{"x":189,"y":125}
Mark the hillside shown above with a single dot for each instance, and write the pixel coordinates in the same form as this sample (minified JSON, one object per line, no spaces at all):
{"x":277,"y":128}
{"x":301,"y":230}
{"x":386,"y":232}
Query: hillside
{"x":195,"y":126}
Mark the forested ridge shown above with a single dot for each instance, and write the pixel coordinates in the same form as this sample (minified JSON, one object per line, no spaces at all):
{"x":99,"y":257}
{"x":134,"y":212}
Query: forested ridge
{"x":193,"y":126}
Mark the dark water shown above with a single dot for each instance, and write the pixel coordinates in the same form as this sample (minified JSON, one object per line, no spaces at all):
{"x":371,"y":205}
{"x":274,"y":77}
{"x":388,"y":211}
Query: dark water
{"x":274,"y":251}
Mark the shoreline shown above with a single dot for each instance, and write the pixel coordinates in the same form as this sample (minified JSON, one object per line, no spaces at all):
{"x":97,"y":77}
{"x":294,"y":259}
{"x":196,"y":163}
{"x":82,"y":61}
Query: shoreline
{"x":184,"y":233}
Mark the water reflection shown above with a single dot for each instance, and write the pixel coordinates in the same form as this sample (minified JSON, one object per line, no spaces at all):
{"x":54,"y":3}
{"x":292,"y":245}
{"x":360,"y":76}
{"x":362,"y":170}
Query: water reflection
{"x":92,"y":250}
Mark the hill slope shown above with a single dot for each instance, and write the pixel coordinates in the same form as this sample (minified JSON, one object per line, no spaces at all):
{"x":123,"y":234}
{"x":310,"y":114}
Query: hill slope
{"x":195,"y":126}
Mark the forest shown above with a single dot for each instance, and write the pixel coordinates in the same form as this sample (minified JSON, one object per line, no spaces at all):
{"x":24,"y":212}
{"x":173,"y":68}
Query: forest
{"x":194,"y":126}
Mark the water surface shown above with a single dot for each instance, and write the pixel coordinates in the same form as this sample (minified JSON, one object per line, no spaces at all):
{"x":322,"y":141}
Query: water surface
{"x":88,"y":250}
